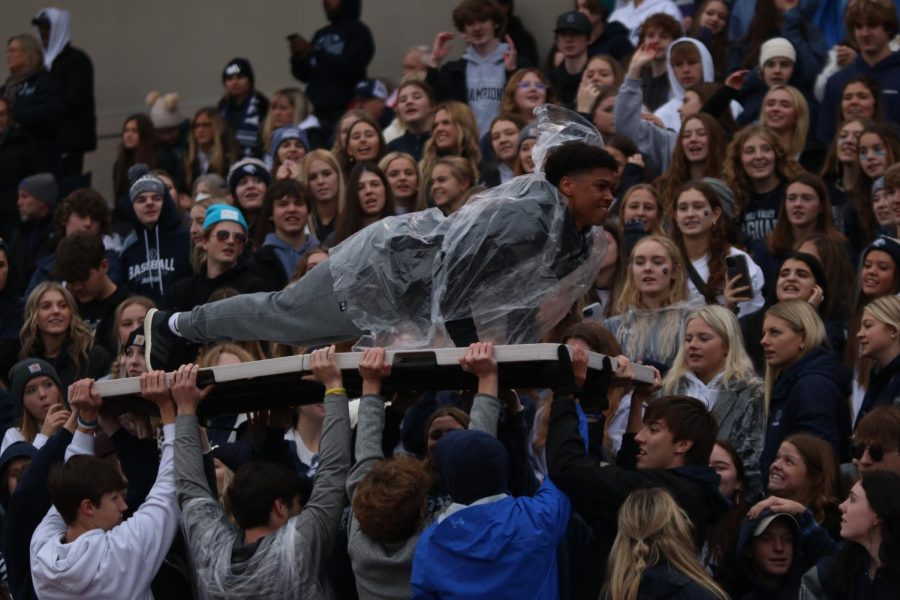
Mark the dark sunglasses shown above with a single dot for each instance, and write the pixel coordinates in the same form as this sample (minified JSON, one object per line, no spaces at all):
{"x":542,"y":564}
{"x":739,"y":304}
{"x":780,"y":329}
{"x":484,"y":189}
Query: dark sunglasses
{"x":875,"y":452}
{"x":239,"y":238}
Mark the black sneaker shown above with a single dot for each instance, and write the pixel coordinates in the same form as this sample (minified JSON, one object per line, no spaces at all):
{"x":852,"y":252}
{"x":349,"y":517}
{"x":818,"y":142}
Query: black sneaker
{"x":163,"y":349}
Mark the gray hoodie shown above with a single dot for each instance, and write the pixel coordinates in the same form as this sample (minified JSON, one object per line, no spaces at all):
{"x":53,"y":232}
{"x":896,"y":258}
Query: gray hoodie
{"x":485,"y":80}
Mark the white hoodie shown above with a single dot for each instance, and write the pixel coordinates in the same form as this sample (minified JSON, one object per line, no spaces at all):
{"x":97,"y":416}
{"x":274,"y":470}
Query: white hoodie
{"x":633,"y":17}
{"x":118,"y":564}
{"x":59,"y":33}
{"x":668,"y":112}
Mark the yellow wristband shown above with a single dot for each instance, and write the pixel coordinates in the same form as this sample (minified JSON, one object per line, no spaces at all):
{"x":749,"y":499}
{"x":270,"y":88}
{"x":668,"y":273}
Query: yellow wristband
{"x":336,"y":392}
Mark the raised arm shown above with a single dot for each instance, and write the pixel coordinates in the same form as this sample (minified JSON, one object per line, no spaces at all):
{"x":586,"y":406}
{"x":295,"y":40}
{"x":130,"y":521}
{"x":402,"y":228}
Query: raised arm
{"x":145,"y":537}
{"x":190,"y":480}
{"x":28,"y":505}
{"x":370,"y":424}
{"x":479,"y":361}
{"x":654,"y":142}
{"x":319,"y":521}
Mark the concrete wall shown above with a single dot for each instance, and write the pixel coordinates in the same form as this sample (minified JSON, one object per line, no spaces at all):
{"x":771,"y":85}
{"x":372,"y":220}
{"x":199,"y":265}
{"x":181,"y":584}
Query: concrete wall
{"x":173,"y":45}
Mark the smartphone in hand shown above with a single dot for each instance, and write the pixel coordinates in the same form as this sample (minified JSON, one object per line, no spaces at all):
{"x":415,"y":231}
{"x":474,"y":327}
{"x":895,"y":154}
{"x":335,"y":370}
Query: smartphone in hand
{"x":737,"y":266}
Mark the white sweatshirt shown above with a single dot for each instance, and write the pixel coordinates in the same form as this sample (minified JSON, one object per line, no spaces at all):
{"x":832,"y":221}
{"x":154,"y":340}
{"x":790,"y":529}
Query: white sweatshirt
{"x":115,"y":564}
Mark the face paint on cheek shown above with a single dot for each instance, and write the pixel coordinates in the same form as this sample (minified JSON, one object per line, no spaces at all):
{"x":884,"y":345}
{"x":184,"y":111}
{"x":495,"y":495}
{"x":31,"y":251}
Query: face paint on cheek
{"x":665,"y":270}
{"x":705,"y":213}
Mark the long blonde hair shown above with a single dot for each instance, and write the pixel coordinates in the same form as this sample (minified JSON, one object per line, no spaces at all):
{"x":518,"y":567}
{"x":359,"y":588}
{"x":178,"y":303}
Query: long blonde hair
{"x":467,"y":129}
{"x":801,"y":124}
{"x":643,"y":329}
{"x":211,"y":355}
{"x":390,"y":157}
{"x":220,"y":156}
{"x":78,"y":336}
{"x":885,"y":309}
{"x":802,"y":318}
{"x":738,"y":366}
{"x":34,"y":52}
{"x":328,"y":158}
{"x":631,"y":296}
{"x":298,"y":101}
{"x":652,"y":529}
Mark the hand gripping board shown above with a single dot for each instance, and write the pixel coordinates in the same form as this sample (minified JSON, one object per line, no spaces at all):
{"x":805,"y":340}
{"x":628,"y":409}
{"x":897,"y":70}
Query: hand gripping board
{"x":279,"y":381}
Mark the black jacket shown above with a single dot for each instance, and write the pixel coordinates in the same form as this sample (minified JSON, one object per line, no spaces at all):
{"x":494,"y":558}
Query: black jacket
{"x":597,"y":492}
{"x":39,"y":110}
{"x":30,"y":242}
{"x":614,"y":41}
{"x":15,"y":165}
{"x":196,"y":289}
{"x":74,"y":74}
{"x":341,"y":53}
{"x":810,"y":397}
{"x":411,"y":143}
{"x":95,"y":367}
{"x":526,"y":45}
{"x":99,"y":315}
{"x":884,"y":389}
{"x":27,"y":507}
{"x":449,"y":82}
{"x":12,"y":309}
{"x":267,"y":266}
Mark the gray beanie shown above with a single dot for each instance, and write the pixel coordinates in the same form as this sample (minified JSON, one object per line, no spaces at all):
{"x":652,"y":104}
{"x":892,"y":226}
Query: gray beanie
{"x":24,"y":371}
{"x":529,"y":132}
{"x":43,"y":187}
{"x":726,"y":196}
{"x":147,"y":183}
{"x":877,"y":186}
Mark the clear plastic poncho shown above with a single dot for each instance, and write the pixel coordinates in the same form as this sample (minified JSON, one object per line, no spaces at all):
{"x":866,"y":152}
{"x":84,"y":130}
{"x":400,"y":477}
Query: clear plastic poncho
{"x":511,"y":260}
{"x":653,"y":336}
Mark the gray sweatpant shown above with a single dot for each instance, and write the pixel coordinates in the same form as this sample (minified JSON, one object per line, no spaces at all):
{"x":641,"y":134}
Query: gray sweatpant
{"x":306,"y":313}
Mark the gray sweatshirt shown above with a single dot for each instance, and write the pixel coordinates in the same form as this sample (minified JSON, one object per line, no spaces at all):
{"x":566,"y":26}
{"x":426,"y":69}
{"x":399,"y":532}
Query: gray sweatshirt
{"x":655,"y":143}
{"x":289,"y":563}
{"x":383,"y":571}
{"x":485,"y":80}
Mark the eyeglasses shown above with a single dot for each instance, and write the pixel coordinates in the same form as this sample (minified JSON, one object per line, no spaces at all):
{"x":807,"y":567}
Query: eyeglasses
{"x":223,"y":236}
{"x":524,"y":85}
{"x":876,"y":453}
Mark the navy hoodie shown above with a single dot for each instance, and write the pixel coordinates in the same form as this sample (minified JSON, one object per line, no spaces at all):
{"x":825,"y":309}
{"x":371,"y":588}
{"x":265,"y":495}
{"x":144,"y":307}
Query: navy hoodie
{"x":884,"y":389}
{"x":154,"y":259}
{"x":810,"y":397}
{"x":341,"y":52}
{"x":885,"y":72}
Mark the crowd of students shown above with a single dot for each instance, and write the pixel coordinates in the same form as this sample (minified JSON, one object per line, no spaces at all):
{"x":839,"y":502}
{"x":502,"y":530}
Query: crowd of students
{"x":752,"y":259}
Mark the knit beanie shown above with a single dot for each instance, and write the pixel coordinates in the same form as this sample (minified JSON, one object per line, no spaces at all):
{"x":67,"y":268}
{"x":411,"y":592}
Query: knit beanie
{"x":43,"y":187}
{"x":245,"y":167}
{"x":146,"y":183}
{"x":885,"y":244}
{"x":472,"y":465}
{"x":529,"y":132}
{"x":164,"y":110}
{"x":238,"y":66}
{"x":216,"y":213}
{"x":24,"y":371}
{"x":776,"y":48}
{"x":289,"y":132}
{"x":877,"y":186}
{"x":726,"y":196}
